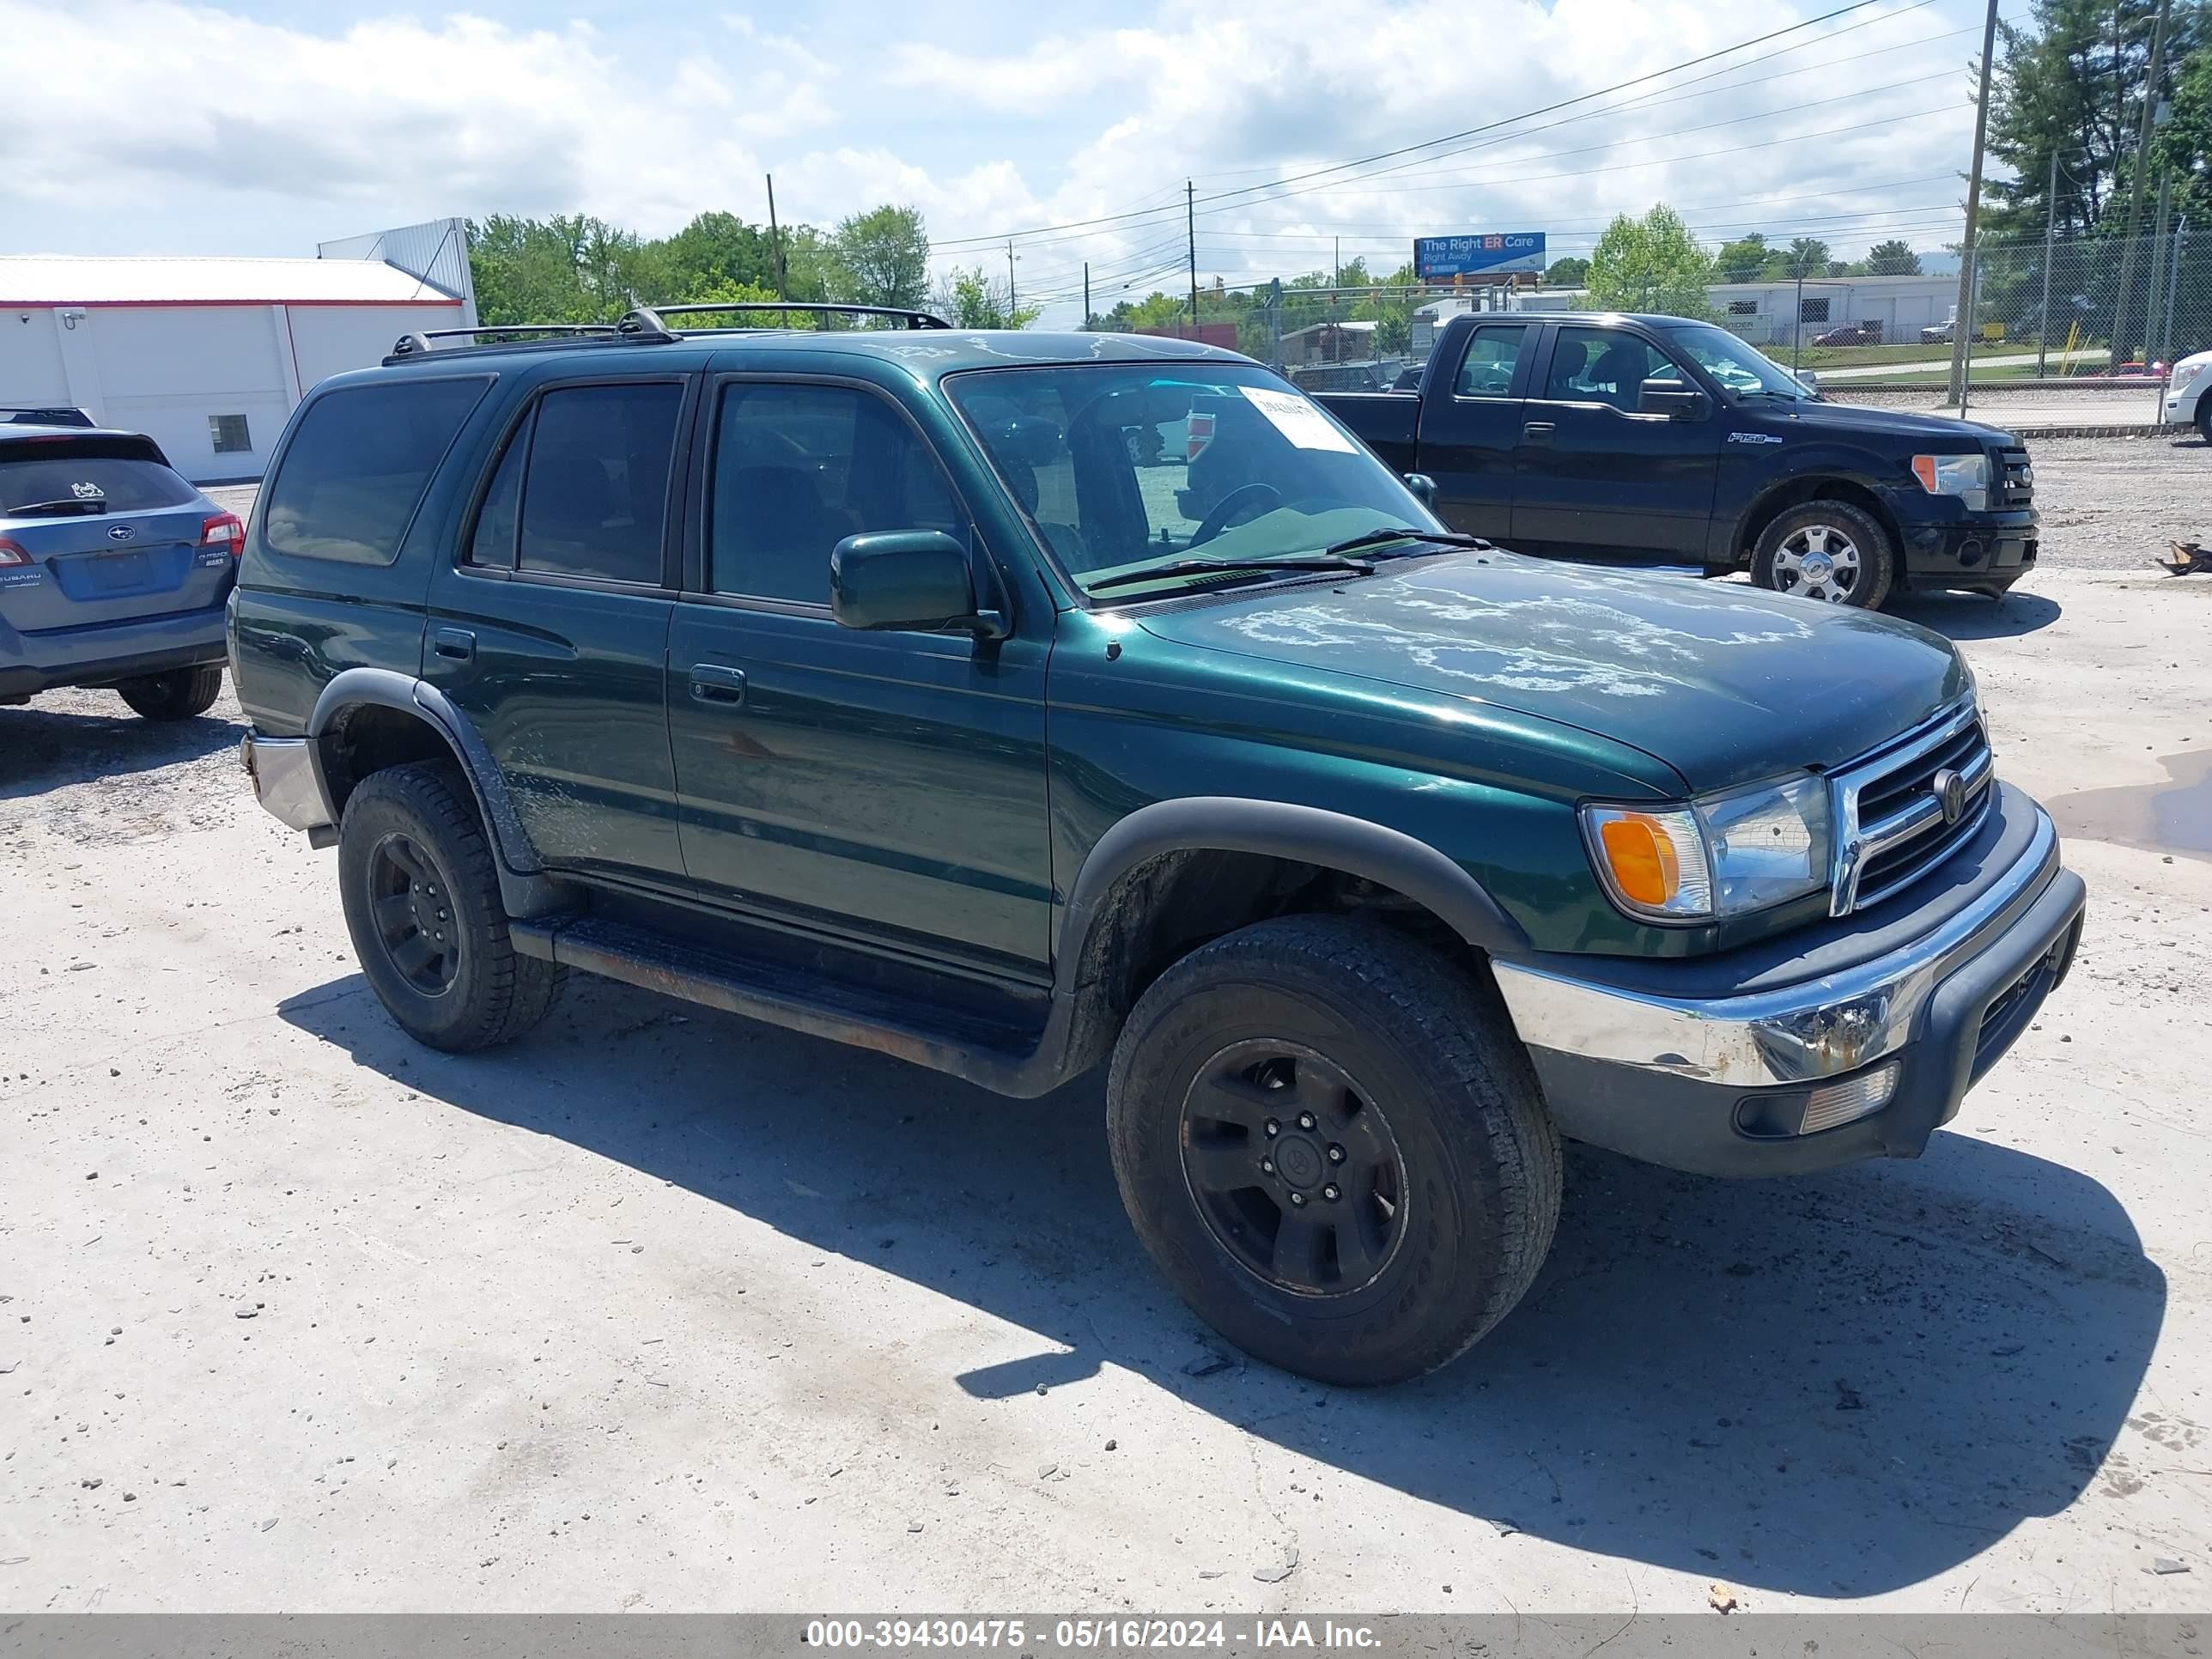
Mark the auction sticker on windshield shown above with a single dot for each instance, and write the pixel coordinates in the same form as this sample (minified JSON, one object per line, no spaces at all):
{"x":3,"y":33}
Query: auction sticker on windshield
{"x":1297,"y":419}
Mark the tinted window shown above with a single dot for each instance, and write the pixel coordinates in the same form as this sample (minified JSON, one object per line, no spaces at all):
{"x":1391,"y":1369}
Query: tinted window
{"x":97,"y":484}
{"x":799,"y":468}
{"x":357,"y":465}
{"x":1601,"y":366}
{"x":1488,"y":370}
{"x":597,"y":494}
{"x":493,"y":544}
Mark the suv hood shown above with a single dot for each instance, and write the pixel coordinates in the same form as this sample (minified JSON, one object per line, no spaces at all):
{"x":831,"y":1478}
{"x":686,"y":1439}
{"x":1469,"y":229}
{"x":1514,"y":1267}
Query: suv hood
{"x":1724,"y":682}
{"x":1853,"y":418}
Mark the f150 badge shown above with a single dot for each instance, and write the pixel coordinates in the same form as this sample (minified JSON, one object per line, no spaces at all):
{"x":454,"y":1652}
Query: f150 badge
{"x":1753,"y":438}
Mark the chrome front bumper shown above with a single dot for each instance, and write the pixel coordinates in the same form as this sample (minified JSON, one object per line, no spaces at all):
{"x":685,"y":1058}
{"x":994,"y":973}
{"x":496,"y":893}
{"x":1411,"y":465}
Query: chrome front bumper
{"x":1733,"y":1084}
{"x":285,"y":780}
{"x":1800,"y":1034}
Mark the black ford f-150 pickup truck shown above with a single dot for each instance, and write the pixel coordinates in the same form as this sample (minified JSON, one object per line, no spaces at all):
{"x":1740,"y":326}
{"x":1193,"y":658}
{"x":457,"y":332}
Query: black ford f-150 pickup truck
{"x":1665,"y":440}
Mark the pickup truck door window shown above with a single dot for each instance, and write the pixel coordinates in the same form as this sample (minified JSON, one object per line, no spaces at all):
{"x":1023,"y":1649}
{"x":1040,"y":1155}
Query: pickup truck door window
{"x":1467,"y":439}
{"x":550,"y":632}
{"x":887,"y":787}
{"x":1591,"y":473}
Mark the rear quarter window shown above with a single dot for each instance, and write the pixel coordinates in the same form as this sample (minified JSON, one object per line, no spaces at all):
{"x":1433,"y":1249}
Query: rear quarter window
{"x":356,"y":470}
{"x":35,"y":475}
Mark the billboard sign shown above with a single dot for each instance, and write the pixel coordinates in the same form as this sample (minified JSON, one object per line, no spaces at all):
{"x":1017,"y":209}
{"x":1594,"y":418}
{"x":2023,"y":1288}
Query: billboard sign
{"x":1440,"y":258}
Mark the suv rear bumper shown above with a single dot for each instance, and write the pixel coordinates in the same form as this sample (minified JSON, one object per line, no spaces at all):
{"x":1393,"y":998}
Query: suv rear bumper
{"x":286,"y":781}
{"x":1724,"y":1084}
{"x":113,"y":651}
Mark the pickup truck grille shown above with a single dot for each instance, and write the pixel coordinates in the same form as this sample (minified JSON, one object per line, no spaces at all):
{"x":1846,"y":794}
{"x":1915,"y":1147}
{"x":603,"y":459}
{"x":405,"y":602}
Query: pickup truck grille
{"x":1905,"y":809}
{"x":2013,"y":485}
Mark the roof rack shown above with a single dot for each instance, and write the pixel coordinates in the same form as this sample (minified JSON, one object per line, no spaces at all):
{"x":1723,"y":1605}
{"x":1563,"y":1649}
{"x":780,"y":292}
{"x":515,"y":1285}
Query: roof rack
{"x":647,"y":319}
{"x":417,"y":341}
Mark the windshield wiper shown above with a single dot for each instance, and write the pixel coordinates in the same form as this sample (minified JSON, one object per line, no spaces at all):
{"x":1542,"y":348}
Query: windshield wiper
{"x":65,"y":504}
{"x":1329,"y":561}
{"x":1405,"y":533}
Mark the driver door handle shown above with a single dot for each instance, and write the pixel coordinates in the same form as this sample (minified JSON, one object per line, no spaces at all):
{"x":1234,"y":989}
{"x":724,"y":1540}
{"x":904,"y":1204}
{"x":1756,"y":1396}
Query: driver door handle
{"x":713,"y":683}
{"x":1539,"y":432}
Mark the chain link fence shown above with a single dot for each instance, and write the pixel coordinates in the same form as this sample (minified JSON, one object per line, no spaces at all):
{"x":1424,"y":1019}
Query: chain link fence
{"x":2080,"y":322}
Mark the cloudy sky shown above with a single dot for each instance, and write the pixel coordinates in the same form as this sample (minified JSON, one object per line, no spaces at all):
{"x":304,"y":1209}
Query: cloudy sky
{"x":138,"y":126}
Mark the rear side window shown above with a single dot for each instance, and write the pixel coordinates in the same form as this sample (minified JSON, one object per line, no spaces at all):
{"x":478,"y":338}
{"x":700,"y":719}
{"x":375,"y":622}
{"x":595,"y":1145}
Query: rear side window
{"x":595,"y":496}
{"x":357,"y":468}
{"x":1488,"y":370}
{"x":799,"y":468}
{"x":54,"y":477}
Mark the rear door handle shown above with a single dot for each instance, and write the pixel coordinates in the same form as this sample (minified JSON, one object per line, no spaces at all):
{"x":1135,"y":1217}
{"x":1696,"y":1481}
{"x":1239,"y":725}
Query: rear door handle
{"x":1539,"y":432}
{"x":712,"y":683}
{"x":457,"y":643}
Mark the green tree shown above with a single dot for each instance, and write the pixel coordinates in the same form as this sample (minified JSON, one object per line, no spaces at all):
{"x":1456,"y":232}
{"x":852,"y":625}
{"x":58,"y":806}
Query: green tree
{"x":1652,"y":264}
{"x":716,"y":248}
{"x":1568,"y":271}
{"x":882,"y":257}
{"x":1892,"y":258}
{"x":1742,"y":260}
{"x":1806,"y":256}
{"x":970,"y":299}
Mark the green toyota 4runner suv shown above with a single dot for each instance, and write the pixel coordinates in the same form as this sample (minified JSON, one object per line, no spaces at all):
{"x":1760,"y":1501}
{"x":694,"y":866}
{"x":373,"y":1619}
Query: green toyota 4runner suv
{"x":878,"y":682}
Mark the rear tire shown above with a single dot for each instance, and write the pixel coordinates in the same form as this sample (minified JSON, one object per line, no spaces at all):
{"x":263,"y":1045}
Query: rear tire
{"x":1411,"y":1182}
{"x":1830,"y":550}
{"x":180,"y":695}
{"x":421,"y":902}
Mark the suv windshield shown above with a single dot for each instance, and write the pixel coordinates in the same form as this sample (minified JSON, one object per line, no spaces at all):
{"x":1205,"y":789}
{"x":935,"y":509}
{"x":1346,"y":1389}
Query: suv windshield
{"x":1744,"y":370}
{"x":1123,"y":468}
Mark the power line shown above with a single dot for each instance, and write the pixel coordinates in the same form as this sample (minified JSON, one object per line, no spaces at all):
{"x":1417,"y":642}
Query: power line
{"x":1454,"y":138}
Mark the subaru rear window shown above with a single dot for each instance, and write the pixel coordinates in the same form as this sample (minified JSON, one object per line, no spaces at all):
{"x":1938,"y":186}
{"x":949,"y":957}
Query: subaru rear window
{"x":357,"y":468}
{"x":58,"y":478}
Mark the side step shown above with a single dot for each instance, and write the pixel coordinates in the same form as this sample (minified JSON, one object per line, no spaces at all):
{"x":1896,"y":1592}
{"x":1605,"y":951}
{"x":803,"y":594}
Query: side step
{"x":952,"y":1041}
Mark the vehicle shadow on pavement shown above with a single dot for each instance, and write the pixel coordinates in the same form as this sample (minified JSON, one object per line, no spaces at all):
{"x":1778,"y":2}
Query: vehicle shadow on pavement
{"x":1973,"y":616}
{"x":1839,"y":1385}
{"x":44,"y":748}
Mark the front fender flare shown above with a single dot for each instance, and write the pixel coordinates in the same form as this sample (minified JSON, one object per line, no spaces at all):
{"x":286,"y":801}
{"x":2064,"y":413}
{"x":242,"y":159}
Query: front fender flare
{"x":1304,"y":835}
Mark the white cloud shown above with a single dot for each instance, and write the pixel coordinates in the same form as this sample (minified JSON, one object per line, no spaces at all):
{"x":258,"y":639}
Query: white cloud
{"x":148,"y":114}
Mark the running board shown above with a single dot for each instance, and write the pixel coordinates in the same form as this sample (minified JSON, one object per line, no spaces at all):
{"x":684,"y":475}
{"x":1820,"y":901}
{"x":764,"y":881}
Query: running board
{"x":955,"y":1044}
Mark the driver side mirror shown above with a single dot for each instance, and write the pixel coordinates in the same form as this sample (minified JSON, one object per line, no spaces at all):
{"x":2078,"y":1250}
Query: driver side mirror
{"x":1809,"y":380}
{"x":1671,"y":398}
{"x":1423,"y":487}
{"x":913,"y":580}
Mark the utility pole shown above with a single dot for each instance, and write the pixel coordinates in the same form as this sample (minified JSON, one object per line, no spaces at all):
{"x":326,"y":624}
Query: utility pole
{"x":1190,"y":225}
{"x":1797,"y":328}
{"x":775,"y":242}
{"x":2050,"y":239}
{"x":2136,"y":189}
{"x":1086,"y":294}
{"x":1010,"y":282}
{"x":1962,"y":317}
{"x":2157,"y":272}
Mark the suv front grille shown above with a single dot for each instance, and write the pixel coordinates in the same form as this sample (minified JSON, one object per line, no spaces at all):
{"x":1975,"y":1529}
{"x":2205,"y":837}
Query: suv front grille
{"x":1905,"y":809}
{"x":2013,"y":486}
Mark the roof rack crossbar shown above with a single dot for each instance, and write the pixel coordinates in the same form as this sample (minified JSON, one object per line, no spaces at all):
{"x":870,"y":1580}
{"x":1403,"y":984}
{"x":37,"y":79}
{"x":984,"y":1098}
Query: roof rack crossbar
{"x":907,"y":315}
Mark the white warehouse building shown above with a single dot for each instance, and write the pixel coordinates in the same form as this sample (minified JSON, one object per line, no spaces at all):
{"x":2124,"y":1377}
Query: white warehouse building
{"x":210,"y":356}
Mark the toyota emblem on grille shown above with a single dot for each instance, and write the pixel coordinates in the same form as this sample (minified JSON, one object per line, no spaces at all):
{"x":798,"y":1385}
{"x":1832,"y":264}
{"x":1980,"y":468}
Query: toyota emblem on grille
{"x":1950,"y":789}
{"x":121,"y":532}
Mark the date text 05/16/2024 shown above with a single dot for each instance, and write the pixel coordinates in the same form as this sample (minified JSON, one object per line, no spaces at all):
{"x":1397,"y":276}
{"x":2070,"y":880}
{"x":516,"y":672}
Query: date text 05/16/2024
{"x":1082,"y":1635}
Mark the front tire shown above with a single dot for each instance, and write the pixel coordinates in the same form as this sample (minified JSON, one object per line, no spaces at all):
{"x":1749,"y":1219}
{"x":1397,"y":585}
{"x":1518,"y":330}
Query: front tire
{"x":421,"y":902}
{"x":181,"y":695}
{"x":1828,"y":550}
{"x":1407,"y":1190}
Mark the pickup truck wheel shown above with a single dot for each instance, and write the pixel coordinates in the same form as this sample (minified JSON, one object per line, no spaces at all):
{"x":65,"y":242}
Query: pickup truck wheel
{"x":2204,"y":418}
{"x":1332,"y":1144}
{"x":1828,"y":550}
{"x":177,"y":695}
{"x":421,"y":902}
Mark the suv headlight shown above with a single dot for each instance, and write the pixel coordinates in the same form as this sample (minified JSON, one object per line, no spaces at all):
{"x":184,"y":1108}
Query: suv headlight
{"x":1966,"y":476}
{"x":1721,"y":855}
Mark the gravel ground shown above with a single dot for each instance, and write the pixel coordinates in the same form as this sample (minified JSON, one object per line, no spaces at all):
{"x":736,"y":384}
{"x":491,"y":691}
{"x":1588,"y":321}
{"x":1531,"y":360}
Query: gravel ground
{"x":2110,"y":503}
{"x":660,"y":1308}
